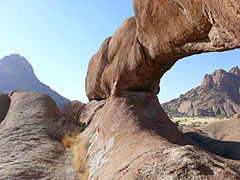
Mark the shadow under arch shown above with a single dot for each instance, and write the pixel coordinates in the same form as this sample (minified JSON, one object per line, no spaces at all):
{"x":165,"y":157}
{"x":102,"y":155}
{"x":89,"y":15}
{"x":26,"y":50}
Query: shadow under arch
{"x":226,"y":149}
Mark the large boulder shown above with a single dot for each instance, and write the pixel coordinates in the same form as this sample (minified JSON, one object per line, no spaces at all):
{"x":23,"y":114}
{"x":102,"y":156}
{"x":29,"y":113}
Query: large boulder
{"x":29,"y":149}
{"x":130,"y":137}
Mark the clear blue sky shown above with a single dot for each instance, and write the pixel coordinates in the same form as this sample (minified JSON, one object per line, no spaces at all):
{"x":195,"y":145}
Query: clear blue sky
{"x":58,"y":37}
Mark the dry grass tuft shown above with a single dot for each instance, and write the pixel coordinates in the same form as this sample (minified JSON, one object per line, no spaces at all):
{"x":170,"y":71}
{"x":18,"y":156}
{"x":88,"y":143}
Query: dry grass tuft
{"x":78,"y":146}
{"x":68,"y":141}
{"x":71,"y":127}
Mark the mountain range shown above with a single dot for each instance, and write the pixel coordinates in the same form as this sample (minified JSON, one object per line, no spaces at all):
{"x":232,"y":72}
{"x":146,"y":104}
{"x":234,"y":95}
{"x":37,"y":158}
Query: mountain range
{"x":218,"y":95}
{"x":16,"y":73}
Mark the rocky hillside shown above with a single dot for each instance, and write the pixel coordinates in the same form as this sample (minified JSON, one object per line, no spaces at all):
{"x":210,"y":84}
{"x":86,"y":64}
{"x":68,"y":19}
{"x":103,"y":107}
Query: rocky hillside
{"x":16,"y":73}
{"x":218,"y":95}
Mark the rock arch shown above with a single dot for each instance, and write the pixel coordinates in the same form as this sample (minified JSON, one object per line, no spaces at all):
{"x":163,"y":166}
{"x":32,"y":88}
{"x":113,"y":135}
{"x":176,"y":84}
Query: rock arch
{"x":130,"y":136}
{"x":162,"y":32}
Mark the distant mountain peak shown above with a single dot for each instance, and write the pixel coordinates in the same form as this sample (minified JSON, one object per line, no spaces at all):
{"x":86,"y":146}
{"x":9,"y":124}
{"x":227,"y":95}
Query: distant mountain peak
{"x":16,"y":65}
{"x":16,"y":73}
{"x":218,"y":95}
{"x":220,"y":78}
{"x":235,"y":71}
{"x":14,"y":57}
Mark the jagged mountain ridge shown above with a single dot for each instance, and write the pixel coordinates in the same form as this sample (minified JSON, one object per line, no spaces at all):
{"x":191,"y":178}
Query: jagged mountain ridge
{"x":16,"y":73}
{"x":218,"y":95}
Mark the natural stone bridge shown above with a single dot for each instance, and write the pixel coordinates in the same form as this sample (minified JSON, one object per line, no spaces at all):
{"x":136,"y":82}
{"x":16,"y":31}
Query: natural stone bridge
{"x":132,"y":135}
{"x":162,"y":32}
{"x":127,"y":134}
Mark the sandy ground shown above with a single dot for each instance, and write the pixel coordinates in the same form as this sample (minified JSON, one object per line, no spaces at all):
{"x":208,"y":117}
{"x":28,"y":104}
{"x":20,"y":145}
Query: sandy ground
{"x":197,"y":120}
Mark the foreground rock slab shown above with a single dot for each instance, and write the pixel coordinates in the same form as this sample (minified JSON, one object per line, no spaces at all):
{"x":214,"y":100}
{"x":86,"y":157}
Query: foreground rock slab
{"x":129,"y":138}
{"x":29,"y":149}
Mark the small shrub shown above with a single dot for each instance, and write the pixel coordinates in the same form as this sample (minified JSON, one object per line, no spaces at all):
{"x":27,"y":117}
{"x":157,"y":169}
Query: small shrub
{"x":71,"y":127}
{"x":78,"y":146}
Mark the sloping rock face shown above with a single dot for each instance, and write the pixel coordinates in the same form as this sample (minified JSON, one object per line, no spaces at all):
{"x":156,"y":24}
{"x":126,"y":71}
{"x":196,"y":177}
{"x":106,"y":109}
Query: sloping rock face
{"x":131,"y":137}
{"x":29,"y":149}
{"x":218,"y":95}
{"x":17,"y":74}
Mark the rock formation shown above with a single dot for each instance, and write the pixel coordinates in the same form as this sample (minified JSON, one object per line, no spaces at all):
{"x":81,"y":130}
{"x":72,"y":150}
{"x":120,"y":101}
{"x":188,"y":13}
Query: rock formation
{"x":30,"y":148}
{"x":17,"y":74}
{"x":126,"y":133}
{"x":129,"y":136}
{"x":218,"y":95}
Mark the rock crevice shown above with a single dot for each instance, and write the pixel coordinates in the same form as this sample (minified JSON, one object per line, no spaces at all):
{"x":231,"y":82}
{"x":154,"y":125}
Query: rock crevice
{"x":4,"y":106}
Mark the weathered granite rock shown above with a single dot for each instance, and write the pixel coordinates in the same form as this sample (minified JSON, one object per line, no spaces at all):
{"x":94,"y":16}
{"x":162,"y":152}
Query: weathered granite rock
{"x":162,"y":32}
{"x":127,"y":135}
{"x":227,"y":130}
{"x":93,"y":85}
{"x":28,"y":147}
{"x":131,"y":137}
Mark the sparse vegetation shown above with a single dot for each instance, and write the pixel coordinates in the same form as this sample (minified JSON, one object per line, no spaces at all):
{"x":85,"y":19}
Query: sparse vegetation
{"x":72,"y":127}
{"x":78,"y":146}
{"x":196,"y":120}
